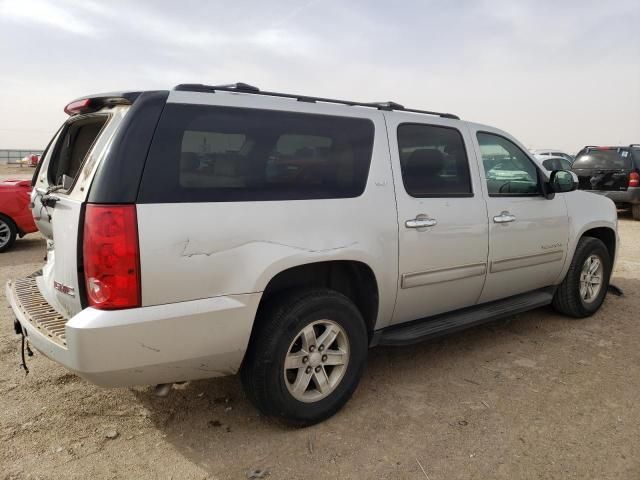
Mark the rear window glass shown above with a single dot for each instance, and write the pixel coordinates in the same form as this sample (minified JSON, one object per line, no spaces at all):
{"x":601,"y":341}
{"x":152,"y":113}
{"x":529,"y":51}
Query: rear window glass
{"x":74,"y":143}
{"x":556,"y":163}
{"x":223,"y":154}
{"x":607,"y":159}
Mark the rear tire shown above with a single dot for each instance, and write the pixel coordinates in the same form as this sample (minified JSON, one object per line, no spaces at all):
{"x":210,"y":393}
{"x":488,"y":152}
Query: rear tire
{"x":584,"y":288}
{"x":8,"y":232}
{"x":635,"y":211}
{"x":306,"y":355}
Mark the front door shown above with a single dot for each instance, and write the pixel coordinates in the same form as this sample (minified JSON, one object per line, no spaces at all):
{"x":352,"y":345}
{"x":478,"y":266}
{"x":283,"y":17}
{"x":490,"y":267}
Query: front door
{"x":528,"y":233}
{"x":442,"y":217}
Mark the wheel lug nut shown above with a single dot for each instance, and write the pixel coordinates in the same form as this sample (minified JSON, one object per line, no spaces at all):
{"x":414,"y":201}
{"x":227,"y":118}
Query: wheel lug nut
{"x":321,"y":348}
{"x":317,"y":369}
{"x":324,"y":358}
{"x":305,"y":359}
{"x":308,"y":370}
{"x":312,"y":348}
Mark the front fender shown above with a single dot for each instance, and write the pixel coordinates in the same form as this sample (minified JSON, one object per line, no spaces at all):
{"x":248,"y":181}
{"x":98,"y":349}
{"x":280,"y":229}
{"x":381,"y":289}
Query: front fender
{"x":588,"y":211}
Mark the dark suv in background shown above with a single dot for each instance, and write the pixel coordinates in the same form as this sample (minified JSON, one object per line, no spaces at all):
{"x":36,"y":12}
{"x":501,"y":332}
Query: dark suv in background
{"x":613,"y":172}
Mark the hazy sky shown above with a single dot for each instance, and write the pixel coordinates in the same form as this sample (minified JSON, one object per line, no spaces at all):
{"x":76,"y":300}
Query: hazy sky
{"x":557,"y":73}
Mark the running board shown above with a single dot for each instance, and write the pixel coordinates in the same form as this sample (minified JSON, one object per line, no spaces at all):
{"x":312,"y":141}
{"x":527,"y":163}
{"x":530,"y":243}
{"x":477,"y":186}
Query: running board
{"x":427,"y":328}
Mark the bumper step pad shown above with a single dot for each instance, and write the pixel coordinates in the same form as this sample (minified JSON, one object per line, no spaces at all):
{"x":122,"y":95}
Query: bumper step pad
{"x":38,"y":311}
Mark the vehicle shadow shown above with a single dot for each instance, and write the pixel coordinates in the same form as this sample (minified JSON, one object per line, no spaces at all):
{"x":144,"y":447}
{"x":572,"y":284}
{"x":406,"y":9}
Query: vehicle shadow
{"x":406,"y":394}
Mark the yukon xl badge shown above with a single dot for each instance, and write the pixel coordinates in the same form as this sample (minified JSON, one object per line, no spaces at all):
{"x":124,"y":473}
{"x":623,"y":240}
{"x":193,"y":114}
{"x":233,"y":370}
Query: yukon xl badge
{"x":64,"y":289}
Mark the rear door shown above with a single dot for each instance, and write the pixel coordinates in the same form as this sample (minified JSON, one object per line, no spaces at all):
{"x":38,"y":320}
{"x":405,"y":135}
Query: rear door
{"x":60,"y":189}
{"x":442,"y":216}
{"x":603,"y":169}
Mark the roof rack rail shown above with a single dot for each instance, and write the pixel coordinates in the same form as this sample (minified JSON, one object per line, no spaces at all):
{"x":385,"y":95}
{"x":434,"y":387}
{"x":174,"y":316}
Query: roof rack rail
{"x":246,"y":88}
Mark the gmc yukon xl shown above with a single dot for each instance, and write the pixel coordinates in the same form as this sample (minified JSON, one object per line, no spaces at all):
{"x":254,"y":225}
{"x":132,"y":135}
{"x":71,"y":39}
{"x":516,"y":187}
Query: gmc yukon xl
{"x":210,"y":230}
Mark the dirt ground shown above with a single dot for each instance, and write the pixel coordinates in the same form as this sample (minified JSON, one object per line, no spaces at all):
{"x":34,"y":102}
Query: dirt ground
{"x":539,"y":396}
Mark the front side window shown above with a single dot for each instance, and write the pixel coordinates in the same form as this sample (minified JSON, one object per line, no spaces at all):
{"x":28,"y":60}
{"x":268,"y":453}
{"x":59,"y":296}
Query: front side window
{"x":508,"y":170}
{"x":203,"y":153}
{"x":433,"y":161}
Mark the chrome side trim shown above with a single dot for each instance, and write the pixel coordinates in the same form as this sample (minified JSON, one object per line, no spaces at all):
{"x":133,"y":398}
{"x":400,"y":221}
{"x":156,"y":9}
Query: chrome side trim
{"x":526,"y":261}
{"x":429,"y":277}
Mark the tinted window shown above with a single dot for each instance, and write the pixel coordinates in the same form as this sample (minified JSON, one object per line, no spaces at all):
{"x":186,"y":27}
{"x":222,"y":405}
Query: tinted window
{"x":232,"y":154}
{"x":508,"y":170}
{"x":557,"y":164}
{"x":607,"y":159}
{"x":433,"y":161}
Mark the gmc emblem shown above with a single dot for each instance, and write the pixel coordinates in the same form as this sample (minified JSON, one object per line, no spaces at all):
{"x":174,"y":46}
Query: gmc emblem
{"x":64,"y":289}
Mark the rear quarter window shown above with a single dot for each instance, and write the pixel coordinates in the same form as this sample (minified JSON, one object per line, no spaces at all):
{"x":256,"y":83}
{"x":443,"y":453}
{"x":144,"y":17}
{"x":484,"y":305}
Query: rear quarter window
{"x":221,"y":154}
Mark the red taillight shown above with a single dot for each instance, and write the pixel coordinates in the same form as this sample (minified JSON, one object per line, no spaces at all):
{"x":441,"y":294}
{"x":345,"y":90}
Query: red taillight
{"x":634,"y":179}
{"x":111,"y":256}
{"x":77,"y":106}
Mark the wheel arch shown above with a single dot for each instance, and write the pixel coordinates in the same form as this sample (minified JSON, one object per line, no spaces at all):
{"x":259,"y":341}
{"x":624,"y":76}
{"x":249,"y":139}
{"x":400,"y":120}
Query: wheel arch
{"x":10,"y":218}
{"x":354,"y":279}
{"x":607,"y":236}
{"x":603,"y":231}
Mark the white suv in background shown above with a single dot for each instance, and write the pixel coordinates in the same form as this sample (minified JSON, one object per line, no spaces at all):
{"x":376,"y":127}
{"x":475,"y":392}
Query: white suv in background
{"x":543,"y":153}
{"x":207,"y":230}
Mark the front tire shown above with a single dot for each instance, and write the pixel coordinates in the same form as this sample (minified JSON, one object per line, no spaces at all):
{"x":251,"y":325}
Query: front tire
{"x":306,"y":356}
{"x":8,"y":232}
{"x":635,"y":211}
{"x":583,"y":290}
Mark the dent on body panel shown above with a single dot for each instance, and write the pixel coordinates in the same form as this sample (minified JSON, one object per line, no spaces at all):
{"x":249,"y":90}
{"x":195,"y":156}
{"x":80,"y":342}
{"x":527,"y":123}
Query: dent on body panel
{"x":190,"y":251}
{"x":236,"y":267}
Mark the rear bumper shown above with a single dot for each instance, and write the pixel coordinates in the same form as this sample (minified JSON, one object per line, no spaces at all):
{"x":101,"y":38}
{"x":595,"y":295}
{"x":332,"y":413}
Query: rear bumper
{"x":631,"y":195}
{"x":148,"y":345}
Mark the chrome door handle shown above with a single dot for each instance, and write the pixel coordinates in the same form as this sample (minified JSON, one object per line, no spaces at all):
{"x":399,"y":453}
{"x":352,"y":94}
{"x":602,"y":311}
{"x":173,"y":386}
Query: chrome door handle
{"x":419,"y":222}
{"x":504,"y":217}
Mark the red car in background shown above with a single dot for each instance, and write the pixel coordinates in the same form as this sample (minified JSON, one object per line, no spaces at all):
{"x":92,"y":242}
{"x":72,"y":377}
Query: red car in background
{"x":15,"y":214}
{"x":31,"y":160}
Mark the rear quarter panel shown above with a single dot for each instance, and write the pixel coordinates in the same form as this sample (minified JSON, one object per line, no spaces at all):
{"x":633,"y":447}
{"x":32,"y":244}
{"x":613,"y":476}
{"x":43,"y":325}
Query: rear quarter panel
{"x":192,"y":251}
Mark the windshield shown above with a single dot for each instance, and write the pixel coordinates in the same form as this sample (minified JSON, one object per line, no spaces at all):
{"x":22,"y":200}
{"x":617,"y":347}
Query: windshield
{"x":610,"y":159}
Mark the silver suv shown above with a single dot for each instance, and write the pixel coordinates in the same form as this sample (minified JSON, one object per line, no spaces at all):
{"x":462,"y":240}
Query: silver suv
{"x":210,"y":230}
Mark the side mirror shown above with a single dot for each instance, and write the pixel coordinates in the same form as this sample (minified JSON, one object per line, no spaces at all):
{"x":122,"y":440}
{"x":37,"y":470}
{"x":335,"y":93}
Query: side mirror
{"x":562,"y":181}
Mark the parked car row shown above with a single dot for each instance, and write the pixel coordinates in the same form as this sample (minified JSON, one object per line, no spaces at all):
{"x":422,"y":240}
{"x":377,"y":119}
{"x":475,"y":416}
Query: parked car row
{"x":612,"y":171}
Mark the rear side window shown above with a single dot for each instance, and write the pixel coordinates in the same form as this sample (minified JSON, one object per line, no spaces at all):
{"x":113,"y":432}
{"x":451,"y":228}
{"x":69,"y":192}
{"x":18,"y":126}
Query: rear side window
{"x":74,"y":143}
{"x":613,"y":159}
{"x":201,"y":154}
{"x":433,"y":161}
